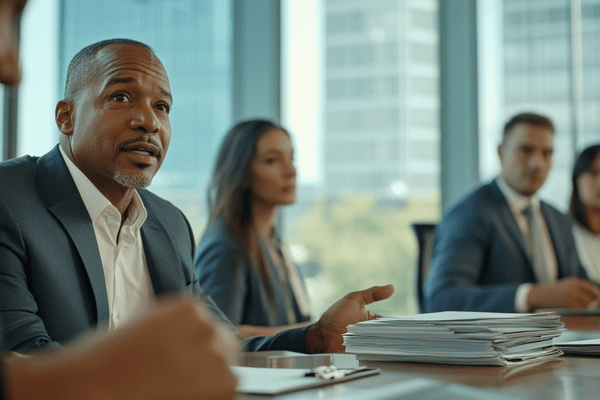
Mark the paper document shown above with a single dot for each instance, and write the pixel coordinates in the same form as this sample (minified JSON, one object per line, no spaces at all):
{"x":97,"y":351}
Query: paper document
{"x":470,"y":338}
{"x":575,"y":312}
{"x":590,"y":347}
{"x":269,"y":381}
{"x":272,"y":381}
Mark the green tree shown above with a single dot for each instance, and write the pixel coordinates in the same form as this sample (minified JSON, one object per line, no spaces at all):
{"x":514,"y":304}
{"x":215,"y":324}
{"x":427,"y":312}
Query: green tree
{"x":359,"y":244}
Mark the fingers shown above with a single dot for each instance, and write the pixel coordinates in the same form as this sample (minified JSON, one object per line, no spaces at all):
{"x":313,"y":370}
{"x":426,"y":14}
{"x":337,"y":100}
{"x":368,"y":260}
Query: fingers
{"x":374,"y":293}
{"x":579,"y":293}
{"x":592,"y":289}
{"x":585,"y":288}
{"x":593,"y":304}
{"x":227,"y":344}
{"x":588,"y":297}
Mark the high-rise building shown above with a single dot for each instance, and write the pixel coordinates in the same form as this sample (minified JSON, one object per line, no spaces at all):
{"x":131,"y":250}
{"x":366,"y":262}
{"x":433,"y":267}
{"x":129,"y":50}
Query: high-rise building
{"x":193,"y":40}
{"x":381,"y":132}
{"x":551,"y":57}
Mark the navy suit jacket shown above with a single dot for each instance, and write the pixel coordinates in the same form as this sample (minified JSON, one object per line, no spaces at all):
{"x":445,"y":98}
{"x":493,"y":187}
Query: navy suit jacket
{"x":52,"y":284}
{"x":480,"y":256}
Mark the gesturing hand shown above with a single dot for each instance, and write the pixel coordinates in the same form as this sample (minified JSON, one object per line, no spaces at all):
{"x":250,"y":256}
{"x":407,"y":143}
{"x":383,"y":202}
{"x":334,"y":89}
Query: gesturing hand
{"x":325,"y":336}
{"x":568,"y":292}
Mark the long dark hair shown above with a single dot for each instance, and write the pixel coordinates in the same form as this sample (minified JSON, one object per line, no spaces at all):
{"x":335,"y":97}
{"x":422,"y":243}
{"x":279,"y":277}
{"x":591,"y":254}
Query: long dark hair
{"x":230,"y":197}
{"x":583,"y":163}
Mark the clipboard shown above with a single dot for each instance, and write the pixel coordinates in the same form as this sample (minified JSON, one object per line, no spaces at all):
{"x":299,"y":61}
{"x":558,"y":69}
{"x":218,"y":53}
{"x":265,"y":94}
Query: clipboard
{"x":290,"y":359}
{"x":275,"y":381}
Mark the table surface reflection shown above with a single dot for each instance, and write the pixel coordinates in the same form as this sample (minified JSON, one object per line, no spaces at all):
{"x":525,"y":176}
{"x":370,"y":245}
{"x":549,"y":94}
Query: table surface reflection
{"x":567,"y":377}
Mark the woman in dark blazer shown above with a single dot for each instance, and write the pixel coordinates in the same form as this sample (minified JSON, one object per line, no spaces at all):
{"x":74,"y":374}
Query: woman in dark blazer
{"x":240,"y":259}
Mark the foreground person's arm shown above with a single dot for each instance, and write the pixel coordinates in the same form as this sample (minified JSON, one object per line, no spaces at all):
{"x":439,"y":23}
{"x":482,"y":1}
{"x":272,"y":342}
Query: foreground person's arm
{"x":176,"y":352}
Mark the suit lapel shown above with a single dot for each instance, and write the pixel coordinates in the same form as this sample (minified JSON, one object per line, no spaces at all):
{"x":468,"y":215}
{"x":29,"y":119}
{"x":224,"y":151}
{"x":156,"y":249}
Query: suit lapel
{"x":161,"y":256}
{"x":56,"y":186}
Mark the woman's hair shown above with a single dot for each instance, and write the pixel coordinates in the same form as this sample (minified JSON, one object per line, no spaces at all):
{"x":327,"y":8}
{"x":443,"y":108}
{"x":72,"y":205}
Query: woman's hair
{"x":582,"y":164}
{"x":230,"y":195}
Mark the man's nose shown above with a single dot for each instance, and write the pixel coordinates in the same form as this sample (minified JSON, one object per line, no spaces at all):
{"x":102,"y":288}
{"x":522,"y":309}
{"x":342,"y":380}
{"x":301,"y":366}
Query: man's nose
{"x":536,"y":160}
{"x":145,"y":120}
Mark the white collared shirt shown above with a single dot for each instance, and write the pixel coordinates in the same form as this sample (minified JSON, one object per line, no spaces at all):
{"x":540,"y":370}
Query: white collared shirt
{"x":588,"y":249}
{"x":518,"y":203}
{"x":128,"y":285}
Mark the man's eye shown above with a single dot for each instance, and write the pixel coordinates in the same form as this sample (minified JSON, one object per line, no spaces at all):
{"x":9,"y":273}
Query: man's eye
{"x":120,"y":97}
{"x":163,"y":107}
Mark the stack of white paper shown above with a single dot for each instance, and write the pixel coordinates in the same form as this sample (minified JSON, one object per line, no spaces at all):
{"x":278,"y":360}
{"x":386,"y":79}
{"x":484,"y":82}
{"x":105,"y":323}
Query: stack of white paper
{"x":470,"y":338}
{"x":589,"y":347}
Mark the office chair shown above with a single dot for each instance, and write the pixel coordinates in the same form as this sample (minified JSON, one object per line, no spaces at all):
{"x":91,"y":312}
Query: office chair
{"x":425,"y":235}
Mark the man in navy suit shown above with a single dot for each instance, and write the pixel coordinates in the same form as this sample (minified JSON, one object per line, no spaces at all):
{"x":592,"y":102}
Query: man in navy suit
{"x":82,"y":244}
{"x":500,"y":248}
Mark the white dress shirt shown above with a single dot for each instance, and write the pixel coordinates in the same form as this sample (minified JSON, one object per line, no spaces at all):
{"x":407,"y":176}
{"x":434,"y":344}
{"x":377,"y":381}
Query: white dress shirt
{"x":588,"y":249}
{"x":128,"y":283}
{"x":518,"y":203}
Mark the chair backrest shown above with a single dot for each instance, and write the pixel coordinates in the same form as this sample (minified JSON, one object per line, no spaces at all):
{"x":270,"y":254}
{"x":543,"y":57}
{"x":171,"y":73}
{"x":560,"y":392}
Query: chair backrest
{"x":425,"y":236}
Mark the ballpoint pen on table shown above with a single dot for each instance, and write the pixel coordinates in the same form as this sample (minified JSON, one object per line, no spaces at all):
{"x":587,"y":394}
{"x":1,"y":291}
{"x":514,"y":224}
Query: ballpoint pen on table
{"x":331,"y":372}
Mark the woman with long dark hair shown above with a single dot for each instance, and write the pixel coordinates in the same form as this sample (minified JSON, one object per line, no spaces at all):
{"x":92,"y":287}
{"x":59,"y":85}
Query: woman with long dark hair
{"x":585,"y":209}
{"x":240,"y":259}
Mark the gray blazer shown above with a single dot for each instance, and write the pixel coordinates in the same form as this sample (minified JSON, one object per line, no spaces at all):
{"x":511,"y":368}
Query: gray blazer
{"x":480,"y":256}
{"x":51,"y":277}
{"x":227,"y":275}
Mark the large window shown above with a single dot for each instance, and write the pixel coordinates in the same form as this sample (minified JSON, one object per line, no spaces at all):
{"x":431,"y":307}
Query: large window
{"x":192,"y":38}
{"x":38,"y":91}
{"x":361,"y":99}
{"x":540,"y":56}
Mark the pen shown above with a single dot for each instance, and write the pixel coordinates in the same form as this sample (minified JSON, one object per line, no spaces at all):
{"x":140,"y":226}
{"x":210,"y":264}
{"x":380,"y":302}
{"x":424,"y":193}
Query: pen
{"x":331,"y":372}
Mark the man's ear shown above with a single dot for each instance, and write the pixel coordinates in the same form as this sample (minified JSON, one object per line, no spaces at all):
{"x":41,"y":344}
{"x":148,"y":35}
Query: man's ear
{"x":500,"y":152}
{"x":64,"y":116}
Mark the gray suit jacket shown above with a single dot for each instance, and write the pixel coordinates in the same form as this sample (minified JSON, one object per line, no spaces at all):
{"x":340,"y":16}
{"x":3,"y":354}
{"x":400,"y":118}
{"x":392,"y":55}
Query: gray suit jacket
{"x":51,"y":277}
{"x":229,"y":278}
{"x":480,"y":256}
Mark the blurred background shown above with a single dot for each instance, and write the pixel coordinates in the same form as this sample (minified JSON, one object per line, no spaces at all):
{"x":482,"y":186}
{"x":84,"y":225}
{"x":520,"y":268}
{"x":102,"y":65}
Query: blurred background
{"x":395,"y":107}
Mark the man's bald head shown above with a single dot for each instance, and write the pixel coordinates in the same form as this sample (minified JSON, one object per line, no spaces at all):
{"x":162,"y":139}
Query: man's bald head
{"x":84,"y":64}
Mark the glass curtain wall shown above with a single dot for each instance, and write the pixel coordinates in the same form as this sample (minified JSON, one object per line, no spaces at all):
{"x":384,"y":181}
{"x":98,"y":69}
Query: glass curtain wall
{"x":548,"y":52}
{"x":193,"y":39}
{"x":361,"y":98}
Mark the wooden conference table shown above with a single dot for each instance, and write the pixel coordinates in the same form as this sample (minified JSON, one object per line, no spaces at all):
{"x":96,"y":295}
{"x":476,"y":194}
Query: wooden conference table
{"x":567,"y":377}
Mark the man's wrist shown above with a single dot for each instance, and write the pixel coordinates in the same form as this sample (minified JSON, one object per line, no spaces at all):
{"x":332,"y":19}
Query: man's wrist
{"x":314,"y":340}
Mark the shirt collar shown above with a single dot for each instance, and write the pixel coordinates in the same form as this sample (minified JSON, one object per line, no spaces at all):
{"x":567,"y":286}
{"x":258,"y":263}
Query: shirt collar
{"x":95,"y":202}
{"x":517,"y":201}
